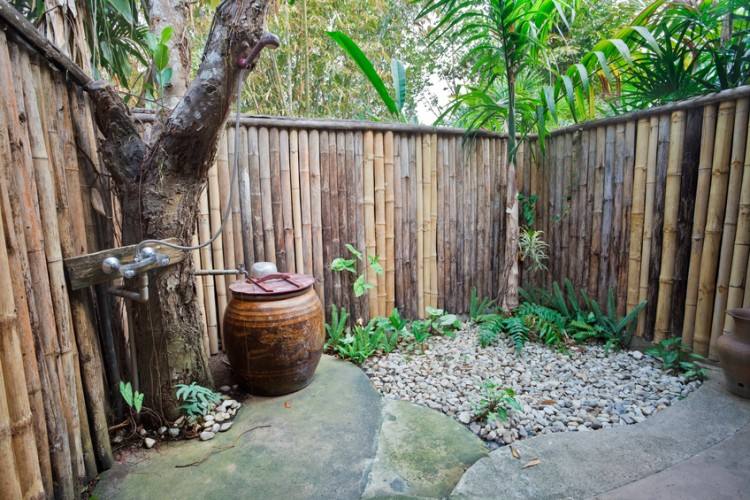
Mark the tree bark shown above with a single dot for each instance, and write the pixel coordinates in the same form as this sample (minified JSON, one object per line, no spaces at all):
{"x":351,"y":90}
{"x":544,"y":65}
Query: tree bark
{"x":174,"y":13}
{"x":159,"y":185}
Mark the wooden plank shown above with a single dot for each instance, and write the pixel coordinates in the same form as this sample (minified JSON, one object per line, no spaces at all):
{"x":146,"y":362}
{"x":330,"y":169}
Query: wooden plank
{"x":277,"y":201}
{"x":267,"y":207}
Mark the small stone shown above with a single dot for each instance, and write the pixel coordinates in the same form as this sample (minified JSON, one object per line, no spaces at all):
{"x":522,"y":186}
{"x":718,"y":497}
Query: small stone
{"x":216,"y":428}
{"x":149,"y":443}
{"x":117,"y":439}
{"x":208,"y":418}
{"x":464,"y":417}
{"x":219,"y":417}
{"x":174,"y":432}
{"x":206,"y":435}
{"x":162,"y":430}
{"x":225,"y":426}
{"x":225,"y":388}
{"x":142,"y":432}
{"x":637,"y":355}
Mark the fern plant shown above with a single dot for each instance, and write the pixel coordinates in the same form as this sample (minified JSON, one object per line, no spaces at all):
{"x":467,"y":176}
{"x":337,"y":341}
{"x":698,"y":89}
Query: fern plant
{"x":196,"y":400}
{"x":677,"y":358}
{"x":479,"y":306}
{"x":615,"y":331}
{"x":360,"y":344}
{"x":335,"y":329}
{"x":496,"y":403}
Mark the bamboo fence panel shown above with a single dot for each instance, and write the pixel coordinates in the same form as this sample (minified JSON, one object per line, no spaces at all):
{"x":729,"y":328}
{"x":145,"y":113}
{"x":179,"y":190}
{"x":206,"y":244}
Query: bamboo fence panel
{"x":419,"y":185}
{"x":223,"y":163}
{"x":285,"y":193}
{"x":714,"y":224}
{"x":729,"y":229}
{"x":209,"y":289}
{"x":433,"y":220}
{"x":267,"y":208}
{"x":359,"y":208}
{"x":217,"y":247}
{"x":294,"y":164}
{"x":389,"y":200}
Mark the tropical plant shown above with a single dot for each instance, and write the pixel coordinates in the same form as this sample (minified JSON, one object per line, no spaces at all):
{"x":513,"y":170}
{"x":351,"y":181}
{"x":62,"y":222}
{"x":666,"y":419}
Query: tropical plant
{"x":479,"y":306}
{"x":420,"y":331}
{"x":533,"y":248}
{"x":360,"y":285}
{"x":614,"y":330}
{"x":395,"y":103}
{"x":360,"y":344}
{"x":196,"y":400}
{"x":335,"y":329}
{"x":496,"y":403}
{"x":442,"y":323}
{"x":677,"y":358}
{"x":133,"y":399}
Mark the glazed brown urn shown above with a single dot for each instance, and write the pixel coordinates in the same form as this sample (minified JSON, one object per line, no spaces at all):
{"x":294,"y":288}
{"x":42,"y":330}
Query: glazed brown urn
{"x":734,"y":353}
{"x":274,"y":334}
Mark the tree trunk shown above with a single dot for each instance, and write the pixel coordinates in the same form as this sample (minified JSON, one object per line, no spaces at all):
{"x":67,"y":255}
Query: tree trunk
{"x":159,"y":187}
{"x":166,"y":13}
{"x":509,"y":279}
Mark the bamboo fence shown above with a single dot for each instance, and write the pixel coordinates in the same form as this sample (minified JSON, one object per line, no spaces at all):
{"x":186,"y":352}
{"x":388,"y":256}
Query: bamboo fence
{"x":660,"y":203}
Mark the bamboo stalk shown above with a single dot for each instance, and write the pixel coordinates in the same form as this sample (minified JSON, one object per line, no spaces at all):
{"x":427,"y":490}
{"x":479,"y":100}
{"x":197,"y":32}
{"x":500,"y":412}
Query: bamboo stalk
{"x":17,"y":411}
{"x":245,"y":186}
{"x":390,"y":248}
{"x":340,"y":296}
{"x":714,"y":220}
{"x":741,"y":253}
{"x":350,"y":176}
{"x":708,"y":132}
{"x":653,"y":143}
{"x":73,"y":241}
{"x":286,"y":202}
{"x":669,"y":238}
{"x":209,"y":290}
{"x":294,"y":161}
{"x":565,"y":171}
{"x":419,"y":180}
{"x":225,"y":189}
{"x":730,"y":224}
{"x":217,"y":247}
{"x":234,"y":145}
{"x":339,"y":150}
{"x":258,"y":210}
{"x":53,"y":254}
{"x":452,"y":227}
{"x":359,"y":209}
{"x":306,"y":205}
{"x":637,"y":212}
{"x":440,"y":229}
{"x":316,"y":219}
{"x":267,"y":210}
{"x":277,"y":199}
{"x":325,"y":195}
{"x":400,"y":156}
{"x":9,"y":482}
{"x":379,"y":166}
{"x":433,"y":219}
{"x":628,"y":154}
{"x":408,"y":172}
{"x":596,"y":245}
{"x":369,"y":207}
{"x":195,"y":255}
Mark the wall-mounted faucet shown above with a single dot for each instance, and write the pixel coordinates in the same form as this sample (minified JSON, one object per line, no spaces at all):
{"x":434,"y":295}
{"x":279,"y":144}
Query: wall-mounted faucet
{"x":146,"y":257}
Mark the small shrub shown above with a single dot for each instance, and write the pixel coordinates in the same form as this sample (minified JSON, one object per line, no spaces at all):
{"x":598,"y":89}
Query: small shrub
{"x":420,"y":331}
{"x":533,"y":248}
{"x":360,"y":344}
{"x":442,"y":323}
{"x":496,"y":403}
{"x":196,"y":399}
{"x":614,"y":330}
{"x":677,"y":358}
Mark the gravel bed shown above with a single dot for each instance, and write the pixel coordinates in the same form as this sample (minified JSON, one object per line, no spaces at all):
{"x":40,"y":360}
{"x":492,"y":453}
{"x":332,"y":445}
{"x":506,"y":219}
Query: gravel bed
{"x":582,"y":389}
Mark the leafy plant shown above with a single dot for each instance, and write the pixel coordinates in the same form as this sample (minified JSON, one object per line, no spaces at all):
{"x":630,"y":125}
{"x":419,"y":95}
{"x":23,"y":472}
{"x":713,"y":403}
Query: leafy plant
{"x":614,"y":330}
{"x":360,"y":344}
{"x":677,"y":358}
{"x":395,"y":104}
{"x":196,"y":399}
{"x":360,"y":285}
{"x":442,"y":323}
{"x":335,"y":329}
{"x":496,"y":403}
{"x":479,"y":306}
{"x":420,"y":331}
{"x":391,"y":330}
{"x":134,"y":399}
{"x":528,"y":209}
{"x":160,"y":69}
{"x":533,"y":248}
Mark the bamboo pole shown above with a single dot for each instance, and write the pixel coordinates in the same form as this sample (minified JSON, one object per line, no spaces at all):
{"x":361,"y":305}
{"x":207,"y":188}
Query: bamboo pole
{"x":209,"y":290}
{"x":379,"y":165}
{"x":9,"y":484}
{"x":708,"y":131}
{"x":369,"y":207}
{"x":637,"y":212}
{"x":71,"y":220}
{"x":217,"y":247}
{"x":306,"y":204}
{"x":316,"y":222}
{"x":17,"y":411}
{"x":419,"y":180}
{"x":245,"y":187}
{"x":53,"y":253}
{"x":225,"y":189}
{"x":433,"y":219}
{"x":653,"y":143}
{"x":714,"y":220}
{"x":400,"y":147}
{"x":278,"y":199}
{"x":258,"y":210}
{"x":19,"y":267}
{"x":597,"y":213}
{"x":325,"y":196}
{"x":340,"y":296}
{"x":628,"y":155}
{"x":669,"y":239}
{"x":234,"y":144}
{"x":286,"y":202}
{"x":730,"y":223}
{"x":440,"y":229}
{"x":390,"y":248}
{"x":267,"y":210}
{"x":294,"y":161}
{"x":741,"y":253}
{"x":452,"y":229}
{"x":350,"y":203}
{"x":338,"y":149}
{"x":195,"y":255}
{"x":359,"y":209}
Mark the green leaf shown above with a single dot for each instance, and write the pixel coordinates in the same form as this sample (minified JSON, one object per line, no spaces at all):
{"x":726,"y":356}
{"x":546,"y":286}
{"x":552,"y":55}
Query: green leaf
{"x":138,"y":401}
{"x":354,"y":251}
{"x":161,"y":57}
{"x":375,"y":264}
{"x":166,"y":34}
{"x":361,"y":286}
{"x":365,"y":65}
{"x":123,"y":7}
{"x":340,"y":264}
{"x":398,"y":74}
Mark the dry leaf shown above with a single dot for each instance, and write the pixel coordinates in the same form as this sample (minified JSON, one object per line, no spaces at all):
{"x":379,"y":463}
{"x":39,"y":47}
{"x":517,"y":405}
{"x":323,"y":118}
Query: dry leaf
{"x":515,"y":453}
{"x":547,"y":402}
{"x":287,"y":404}
{"x":531,"y":463}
